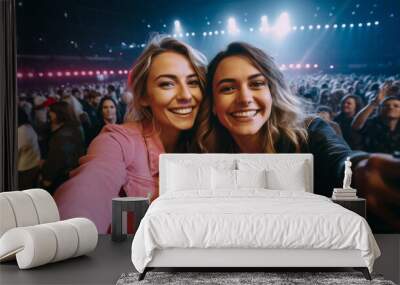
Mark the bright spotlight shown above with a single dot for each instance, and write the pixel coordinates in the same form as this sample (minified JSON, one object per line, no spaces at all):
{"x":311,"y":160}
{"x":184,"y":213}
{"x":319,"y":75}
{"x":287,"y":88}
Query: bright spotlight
{"x":204,"y":34}
{"x":187,"y":34}
{"x":294,"y":28}
{"x":360,"y":25}
{"x":331,"y":67}
{"x":343,"y":25}
{"x":376,"y":23}
{"x":291,"y":65}
{"x":216,"y":32}
{"x":318,"y":27}
{"x":232,"y":26}
{"x":177,"y":26}
{"x":310,"y":27}
{"x":315,"y":65}
{"x":264,"y":24}
{"x":301,"y":27}
{"x":335,"y":26}
{"x":210,"y":33}
{"x":251,"y":30}
{"x":368,"y":24}
{"x":351,"y":25}
{"x":298,"y":66}
{"x":326,"y":26}
{"x":282,"y":26}
{"x":222,"y":32}
{"x":307,"y":65}
{"x":193,"y":34}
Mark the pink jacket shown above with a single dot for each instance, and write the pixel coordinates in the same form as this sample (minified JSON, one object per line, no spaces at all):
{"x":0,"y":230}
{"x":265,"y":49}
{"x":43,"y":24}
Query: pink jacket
{"x":121,"y":156}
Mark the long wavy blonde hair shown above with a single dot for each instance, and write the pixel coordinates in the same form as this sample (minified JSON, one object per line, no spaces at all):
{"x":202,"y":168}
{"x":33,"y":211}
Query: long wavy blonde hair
{"x":139,"y":73}
{"x":285,"y":127}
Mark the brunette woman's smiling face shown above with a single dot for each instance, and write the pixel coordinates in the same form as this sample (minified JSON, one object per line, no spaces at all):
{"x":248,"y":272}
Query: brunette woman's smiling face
{"x":242,"y":99}
{"x":173,"y":91}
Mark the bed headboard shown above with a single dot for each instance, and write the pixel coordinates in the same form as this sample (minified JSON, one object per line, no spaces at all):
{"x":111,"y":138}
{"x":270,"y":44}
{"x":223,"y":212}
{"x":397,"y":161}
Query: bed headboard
{"x":290,"y":167}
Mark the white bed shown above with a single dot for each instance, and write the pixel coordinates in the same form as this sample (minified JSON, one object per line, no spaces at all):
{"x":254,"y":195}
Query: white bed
{"x":244,"y":210}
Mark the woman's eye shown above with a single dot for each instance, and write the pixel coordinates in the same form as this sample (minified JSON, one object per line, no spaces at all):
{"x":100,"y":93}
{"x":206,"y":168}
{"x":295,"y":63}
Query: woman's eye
{"x":166,"y":84}
{"x":194,"y":83}
{"x":257,"y":84}
{"x":227,"y":89}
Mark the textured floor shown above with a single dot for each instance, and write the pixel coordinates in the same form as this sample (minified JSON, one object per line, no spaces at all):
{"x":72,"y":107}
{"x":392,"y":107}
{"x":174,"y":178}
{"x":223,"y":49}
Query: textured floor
{"x":225,"y":278}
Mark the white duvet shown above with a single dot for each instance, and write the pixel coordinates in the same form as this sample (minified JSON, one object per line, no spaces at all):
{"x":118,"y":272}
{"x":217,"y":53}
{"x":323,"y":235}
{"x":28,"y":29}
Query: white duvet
{"x":251,"y":218}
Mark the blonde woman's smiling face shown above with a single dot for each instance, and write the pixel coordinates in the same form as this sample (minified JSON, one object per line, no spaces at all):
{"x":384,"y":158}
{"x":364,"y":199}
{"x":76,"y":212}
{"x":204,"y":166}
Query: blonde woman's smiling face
{"x":242,"y":99}
{"x":173,"y":91}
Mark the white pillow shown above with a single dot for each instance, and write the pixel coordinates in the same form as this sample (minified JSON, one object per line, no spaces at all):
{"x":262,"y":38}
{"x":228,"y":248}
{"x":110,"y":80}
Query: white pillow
{"x":181,"y":177}
{"x":294,"y":180}
{"x":251,"y":178}
{"x":223,"y":179}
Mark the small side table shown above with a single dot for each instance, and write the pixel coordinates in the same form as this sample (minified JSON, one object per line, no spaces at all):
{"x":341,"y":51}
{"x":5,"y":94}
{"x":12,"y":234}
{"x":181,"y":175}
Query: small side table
{"x":358,"y":205}
{"x":137,"y":205}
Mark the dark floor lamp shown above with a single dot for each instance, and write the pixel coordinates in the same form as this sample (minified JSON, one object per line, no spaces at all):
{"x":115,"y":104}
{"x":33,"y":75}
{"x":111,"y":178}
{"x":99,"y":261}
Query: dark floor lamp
{"x":8,"y":97}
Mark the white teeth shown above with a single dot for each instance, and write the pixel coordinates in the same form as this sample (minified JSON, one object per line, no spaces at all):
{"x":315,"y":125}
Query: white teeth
{"x":244,"y":114}
{"x":182,"y":111}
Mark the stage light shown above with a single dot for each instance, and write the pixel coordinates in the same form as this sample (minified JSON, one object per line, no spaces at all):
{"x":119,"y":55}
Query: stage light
{"x":120,"y":72}
{"x":174,"y":35}
{"x":148,"y":26}
{"x":232,"y":26}
{"x":105,"y":72}
{"x":343,"y":25}
{"x":283,"y":65}
{"x":90,"y":72}
{"x":294,"y":28}
{"x":216,"y":32}
{"x":67,"y":73}
{"x":326,"y":26}
{"x":301,"y":27}
{"x":307,"y":65}
{"x":177,"y":27}
{"x":251,"y":30}
{"x":282,"y":26}
{"x":143,"y":45}
{"x":98,"y":72}
{"x":193,"y":34}
{"x":132,"y":45}
{"x":180,"y":35}
{"x":331,"y":67}
{"x":291,"y":65}
{"x":222,"y":32}
{"x":76,"y":73}
{"x":210,"y":33}
{"x":125,"y":71}
{"x":264,"y":27}
{"x":187,"y":34}
{"x":318,"y":27}
{"x":111,"y":71}
{"x":30,"y":74}
{"x":59,"y":74}
{"x":335,"y":26}
{"x":204,"y":34}
{"x":310,"y":27}
{"x":298,"y":66}
{"x":315,"y":65}
{"x":351,"y":25}
{"x":19,"y":75}
{"x":164,"y":26}
{"x":368,"y":24}
{"x":83,"y":73}
{"x":376,"y":23}
{"x":50,"y":74}
{"x":360,"y":25}
{"x":40,"y":74}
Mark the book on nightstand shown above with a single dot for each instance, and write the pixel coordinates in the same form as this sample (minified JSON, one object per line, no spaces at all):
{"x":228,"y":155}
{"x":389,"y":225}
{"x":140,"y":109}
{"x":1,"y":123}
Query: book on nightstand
{"x":344,"y":194}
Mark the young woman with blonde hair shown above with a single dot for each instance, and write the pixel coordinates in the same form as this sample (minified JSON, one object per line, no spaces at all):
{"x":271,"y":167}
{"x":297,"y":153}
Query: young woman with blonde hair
{"x":167,"y":82}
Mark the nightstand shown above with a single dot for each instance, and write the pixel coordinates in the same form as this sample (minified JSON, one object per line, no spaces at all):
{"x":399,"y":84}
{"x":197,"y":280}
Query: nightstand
{"x":358,"y":205}
{"x":137,"y":205}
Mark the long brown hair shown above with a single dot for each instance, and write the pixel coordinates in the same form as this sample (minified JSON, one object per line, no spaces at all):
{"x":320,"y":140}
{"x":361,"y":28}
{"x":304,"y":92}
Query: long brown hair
{"x":285,"y":125}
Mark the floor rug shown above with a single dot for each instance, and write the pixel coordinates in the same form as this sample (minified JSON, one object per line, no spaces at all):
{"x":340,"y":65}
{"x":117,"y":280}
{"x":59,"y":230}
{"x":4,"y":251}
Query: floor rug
{"x":243,"y":278}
